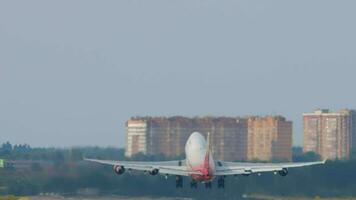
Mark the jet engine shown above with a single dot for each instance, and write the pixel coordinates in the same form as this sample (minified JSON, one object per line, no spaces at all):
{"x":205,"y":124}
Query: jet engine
{"x":119,"y":169}
{"x":283,"y":172}
{"x":153,"y":172}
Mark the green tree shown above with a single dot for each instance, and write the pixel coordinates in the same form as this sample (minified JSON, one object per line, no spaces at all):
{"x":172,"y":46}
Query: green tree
{"x":6,"y":149}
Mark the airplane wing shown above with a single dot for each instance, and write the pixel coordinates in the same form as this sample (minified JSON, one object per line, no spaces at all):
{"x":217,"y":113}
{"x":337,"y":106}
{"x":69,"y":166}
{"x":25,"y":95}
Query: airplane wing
{"x":165,"y":167}
{"x":236,"y":168}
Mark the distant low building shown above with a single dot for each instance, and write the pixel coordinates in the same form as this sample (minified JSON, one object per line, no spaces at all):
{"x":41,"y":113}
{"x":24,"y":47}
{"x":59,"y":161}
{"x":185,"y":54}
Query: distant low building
{"x":24,"y":165}
{"x":330,"y":134}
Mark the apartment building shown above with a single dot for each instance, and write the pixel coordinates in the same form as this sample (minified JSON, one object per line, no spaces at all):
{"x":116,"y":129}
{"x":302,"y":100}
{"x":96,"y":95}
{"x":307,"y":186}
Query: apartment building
{"x":329,"y":134}
{"x":233,"y":138}
{"x":269,"y":138}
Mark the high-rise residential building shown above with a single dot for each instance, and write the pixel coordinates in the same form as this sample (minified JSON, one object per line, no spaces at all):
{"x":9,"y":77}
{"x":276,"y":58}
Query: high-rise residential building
{"x":353,"y":130}
{"x":329,"y":134}
{"x":269,"y":138}
{"x":136,"y":137}
{"x":167,"y":136}
{"x":230,"y":136}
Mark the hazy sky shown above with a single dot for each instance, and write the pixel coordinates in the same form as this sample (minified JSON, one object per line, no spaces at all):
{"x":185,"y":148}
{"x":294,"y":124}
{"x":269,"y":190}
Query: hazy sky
{"x":72,"y":72}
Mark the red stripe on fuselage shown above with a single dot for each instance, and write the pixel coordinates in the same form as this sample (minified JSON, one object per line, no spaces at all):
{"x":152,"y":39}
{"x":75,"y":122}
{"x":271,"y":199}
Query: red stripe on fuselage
{"x":204,"y":169}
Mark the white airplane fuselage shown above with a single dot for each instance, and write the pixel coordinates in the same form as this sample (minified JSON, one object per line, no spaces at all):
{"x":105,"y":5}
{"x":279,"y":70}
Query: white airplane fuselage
{"x":199,"y":158}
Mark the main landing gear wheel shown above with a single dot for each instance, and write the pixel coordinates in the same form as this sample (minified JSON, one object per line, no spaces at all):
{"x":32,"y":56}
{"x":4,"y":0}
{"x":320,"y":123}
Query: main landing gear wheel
{"x":194,"y":184}
{"x":221,"y":182}
{"x":208,"y":185}
{"x":179,"y":182}
{"x":283,"y":172}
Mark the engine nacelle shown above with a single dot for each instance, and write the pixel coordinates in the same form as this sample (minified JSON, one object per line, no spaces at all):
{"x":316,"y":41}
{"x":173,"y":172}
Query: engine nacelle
{"x":283,"y":172}
{"x":153,"y":172}
{"x":119,"y":169}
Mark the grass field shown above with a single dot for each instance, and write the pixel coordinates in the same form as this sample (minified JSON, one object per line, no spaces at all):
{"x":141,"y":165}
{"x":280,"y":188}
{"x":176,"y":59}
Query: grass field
{"x":250,"y":197}
{"x":101,"y":198}
{"x":265,"y":197}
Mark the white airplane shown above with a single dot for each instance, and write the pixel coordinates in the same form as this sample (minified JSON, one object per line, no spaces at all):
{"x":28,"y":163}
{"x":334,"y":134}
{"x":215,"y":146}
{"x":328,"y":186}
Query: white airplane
{"x":200,"y":165}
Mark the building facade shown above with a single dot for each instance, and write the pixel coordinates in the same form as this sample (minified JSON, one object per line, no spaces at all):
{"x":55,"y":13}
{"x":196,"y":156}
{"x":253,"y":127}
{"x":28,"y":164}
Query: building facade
{"x":269,"y":138}
{"x":230,"y":137}
{"x":167,"y":136}
{"x":136,"y":137}
{"x":329,"y":134}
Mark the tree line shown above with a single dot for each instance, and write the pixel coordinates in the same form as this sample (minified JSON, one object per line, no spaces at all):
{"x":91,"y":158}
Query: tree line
{"x":64,"y":172}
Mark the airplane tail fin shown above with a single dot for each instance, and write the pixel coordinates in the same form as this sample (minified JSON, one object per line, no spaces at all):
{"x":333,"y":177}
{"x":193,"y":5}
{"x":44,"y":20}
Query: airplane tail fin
{"x":208,"y":143}
{"x":208,"y":149}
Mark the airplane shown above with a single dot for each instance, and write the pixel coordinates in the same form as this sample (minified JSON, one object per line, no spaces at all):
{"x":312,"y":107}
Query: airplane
{"x":200,"y":165}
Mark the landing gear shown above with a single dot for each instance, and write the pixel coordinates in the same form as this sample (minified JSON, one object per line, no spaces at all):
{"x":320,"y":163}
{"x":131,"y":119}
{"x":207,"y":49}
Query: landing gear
{"x":221,"y":182}
{"x":208,"y":185}
{"x":179,"y":182}
{"x":193,"y":184}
